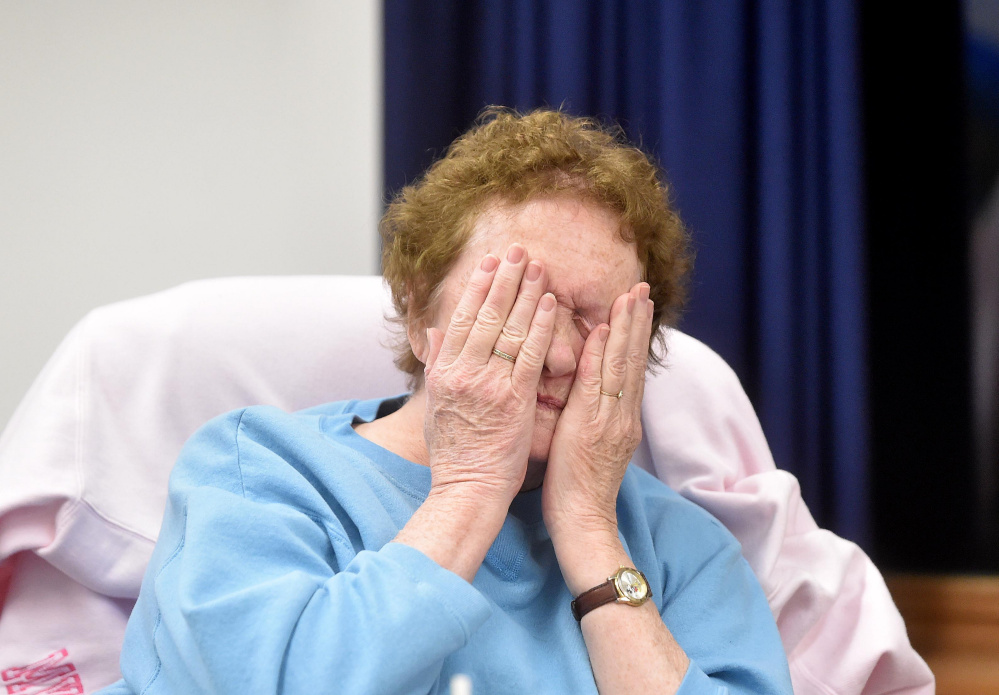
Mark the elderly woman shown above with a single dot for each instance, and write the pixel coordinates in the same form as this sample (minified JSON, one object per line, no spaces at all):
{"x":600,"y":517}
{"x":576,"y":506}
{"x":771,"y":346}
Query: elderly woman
{"x":487,"y":523}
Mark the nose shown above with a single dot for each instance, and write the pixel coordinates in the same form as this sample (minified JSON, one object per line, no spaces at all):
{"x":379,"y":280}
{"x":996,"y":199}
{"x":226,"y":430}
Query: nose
{"x":565,"y":349}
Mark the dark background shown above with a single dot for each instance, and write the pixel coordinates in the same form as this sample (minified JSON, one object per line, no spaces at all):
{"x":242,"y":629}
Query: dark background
{"x":917,"y":232}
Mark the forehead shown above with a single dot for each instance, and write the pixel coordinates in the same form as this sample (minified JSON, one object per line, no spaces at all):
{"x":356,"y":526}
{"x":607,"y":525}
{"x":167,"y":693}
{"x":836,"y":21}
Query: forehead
{"x":579,"y":242}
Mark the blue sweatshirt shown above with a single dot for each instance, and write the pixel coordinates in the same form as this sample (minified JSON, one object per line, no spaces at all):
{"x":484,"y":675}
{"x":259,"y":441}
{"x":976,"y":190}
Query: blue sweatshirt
{"x":275,"y":573}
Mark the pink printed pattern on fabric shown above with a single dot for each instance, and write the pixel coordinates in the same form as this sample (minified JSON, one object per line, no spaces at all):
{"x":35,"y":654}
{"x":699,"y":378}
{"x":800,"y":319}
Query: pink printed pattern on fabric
{"x":49,"y":676}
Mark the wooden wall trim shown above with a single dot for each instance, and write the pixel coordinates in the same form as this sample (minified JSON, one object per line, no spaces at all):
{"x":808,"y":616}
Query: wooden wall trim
{"x":953,"y":622}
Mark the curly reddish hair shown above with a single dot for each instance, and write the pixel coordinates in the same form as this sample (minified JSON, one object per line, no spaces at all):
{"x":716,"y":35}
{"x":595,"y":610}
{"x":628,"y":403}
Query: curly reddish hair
{"x":512,"y":157}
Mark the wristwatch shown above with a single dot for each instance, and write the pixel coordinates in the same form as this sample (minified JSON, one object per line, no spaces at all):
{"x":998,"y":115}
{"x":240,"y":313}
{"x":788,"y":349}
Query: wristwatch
{"x":627,"y":585}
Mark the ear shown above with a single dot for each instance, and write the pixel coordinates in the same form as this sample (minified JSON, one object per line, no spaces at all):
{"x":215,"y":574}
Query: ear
{"x":416,"y":332}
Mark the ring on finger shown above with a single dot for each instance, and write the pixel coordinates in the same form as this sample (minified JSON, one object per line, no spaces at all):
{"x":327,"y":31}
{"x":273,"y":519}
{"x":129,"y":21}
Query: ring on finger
{"x":613,"y":395}
{"x":508,"y":357}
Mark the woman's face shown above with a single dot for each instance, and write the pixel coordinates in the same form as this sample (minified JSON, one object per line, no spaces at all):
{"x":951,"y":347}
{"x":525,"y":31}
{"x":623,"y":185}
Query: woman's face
{"x":588,"y":266}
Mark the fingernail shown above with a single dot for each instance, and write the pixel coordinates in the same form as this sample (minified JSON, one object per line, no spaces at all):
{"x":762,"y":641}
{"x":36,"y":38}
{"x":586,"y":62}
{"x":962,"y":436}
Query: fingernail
{"x":603,"y":332}
{"x":631,"y":304}
{"x":533,"y":271}
{"x":489,"y":263}
{"x":515,"y":254}
{"x":547,"y":303}
{"x":643,"y":291}
{"x":651,"y":308}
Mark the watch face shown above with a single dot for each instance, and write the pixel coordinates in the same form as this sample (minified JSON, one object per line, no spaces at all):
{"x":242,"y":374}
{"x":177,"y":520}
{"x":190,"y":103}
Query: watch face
{"x":632,"y":586}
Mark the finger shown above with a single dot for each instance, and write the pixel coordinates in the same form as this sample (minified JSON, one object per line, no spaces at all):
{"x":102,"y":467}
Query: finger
{"x":463,"y":318}
{"x":518,"y":323}
{"x":615,"y":362}
{"x":435,"y":338}
{"x":588,"y":373}
{"x":638,"y":346}
{"x":531,"y":359}
{"x":495,"y":310}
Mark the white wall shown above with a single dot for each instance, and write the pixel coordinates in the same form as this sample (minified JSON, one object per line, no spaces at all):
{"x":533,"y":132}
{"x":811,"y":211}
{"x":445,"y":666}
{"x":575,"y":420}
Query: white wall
{"x":147,"y":144}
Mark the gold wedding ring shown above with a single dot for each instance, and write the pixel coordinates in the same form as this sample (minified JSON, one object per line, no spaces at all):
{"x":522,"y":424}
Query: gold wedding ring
{"x":613,"y":395}
{"x":507,"y":357}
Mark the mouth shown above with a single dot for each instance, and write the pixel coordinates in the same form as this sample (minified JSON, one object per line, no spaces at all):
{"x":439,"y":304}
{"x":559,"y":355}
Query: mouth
{"x":550,"y":403}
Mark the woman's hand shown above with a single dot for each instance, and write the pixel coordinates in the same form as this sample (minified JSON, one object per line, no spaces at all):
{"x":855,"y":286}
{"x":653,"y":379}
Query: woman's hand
{"x":595,"y":439}
{"x":479,"y":417}
{"x":480,"y":405}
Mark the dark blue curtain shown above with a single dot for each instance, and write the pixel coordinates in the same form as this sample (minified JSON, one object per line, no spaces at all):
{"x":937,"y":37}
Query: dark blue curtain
{"x":753,"y":110}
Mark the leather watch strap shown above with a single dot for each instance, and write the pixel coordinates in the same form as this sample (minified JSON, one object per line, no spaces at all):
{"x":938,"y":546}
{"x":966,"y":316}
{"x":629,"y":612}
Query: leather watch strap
{"x":593,"y":598}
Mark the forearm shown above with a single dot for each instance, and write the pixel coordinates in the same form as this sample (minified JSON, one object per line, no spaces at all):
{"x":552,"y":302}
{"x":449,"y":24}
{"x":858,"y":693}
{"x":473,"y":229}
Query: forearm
{"x":630,"y":648}
{"x":456,"y":525}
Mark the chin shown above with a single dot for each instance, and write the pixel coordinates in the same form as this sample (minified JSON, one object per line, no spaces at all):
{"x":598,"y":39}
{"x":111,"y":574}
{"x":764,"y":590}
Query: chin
{"x":537,"y":462}
{"x":545,"y":419}
{"x":535,"y":475}
{"x":544,"y":431}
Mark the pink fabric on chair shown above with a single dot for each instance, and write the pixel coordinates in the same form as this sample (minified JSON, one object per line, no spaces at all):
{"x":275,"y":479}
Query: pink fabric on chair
{"x":839,"y":625}
{"x":83,"y":474}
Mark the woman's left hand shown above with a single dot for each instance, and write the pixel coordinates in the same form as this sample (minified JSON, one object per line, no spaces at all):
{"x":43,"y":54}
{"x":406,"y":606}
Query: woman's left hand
{"x":599,"y":430}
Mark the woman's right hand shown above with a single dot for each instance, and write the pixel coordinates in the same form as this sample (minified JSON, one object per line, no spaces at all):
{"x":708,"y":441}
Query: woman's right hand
{"x":481,"y":406}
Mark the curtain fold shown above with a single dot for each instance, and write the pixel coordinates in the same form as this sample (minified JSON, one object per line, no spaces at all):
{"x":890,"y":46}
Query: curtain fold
{"x":753,"y":110}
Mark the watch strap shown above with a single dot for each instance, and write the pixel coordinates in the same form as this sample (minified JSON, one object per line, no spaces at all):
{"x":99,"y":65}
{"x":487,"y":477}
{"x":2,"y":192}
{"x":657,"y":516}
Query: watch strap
{"x":593,"y":598}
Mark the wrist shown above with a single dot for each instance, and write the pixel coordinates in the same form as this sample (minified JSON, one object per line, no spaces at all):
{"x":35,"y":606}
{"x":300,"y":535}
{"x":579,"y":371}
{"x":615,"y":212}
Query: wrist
{"x":582,"y":525}
{"x":479,"y":496}
{"x":455,"y":527}
{"x":587,"y":559}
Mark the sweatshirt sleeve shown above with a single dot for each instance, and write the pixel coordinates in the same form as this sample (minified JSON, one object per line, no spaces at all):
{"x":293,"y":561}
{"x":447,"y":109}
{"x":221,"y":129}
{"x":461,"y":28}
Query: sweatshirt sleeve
{"x":246,"y":595}
{"x":719,"y":615}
